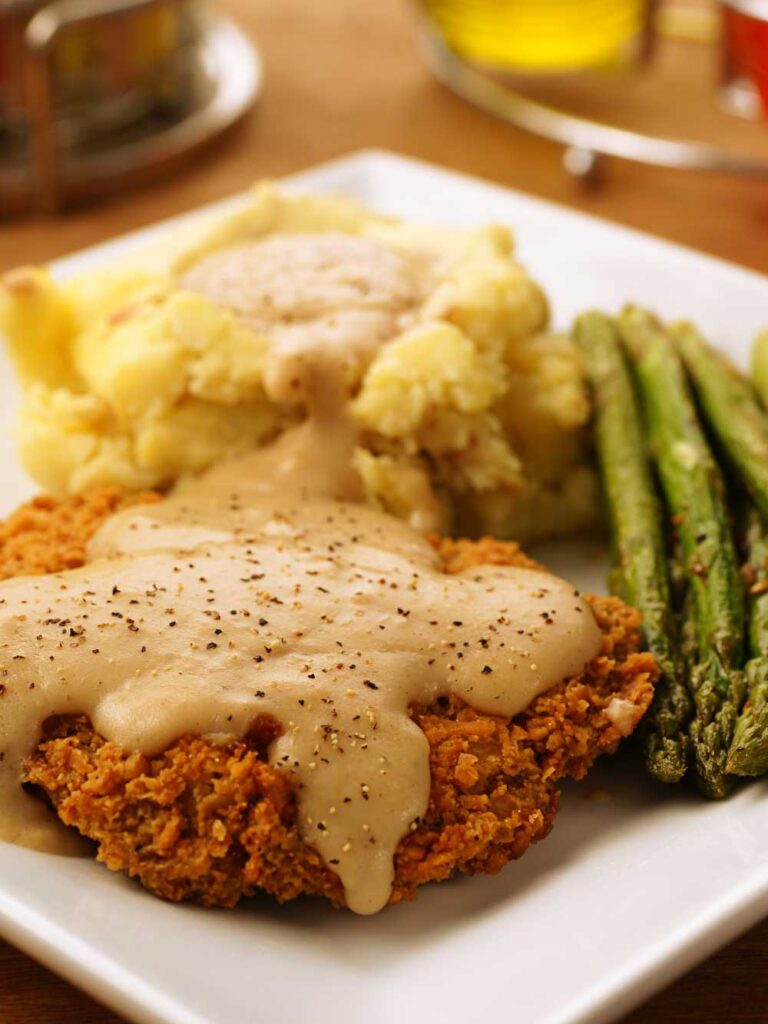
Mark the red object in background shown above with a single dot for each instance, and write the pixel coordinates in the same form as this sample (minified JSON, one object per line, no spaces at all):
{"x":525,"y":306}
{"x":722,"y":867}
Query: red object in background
{"x":745,"y":27}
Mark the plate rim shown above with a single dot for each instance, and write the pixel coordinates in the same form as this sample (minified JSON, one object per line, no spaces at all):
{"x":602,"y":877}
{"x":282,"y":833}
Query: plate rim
{"x":639,"y":977}
{"x":371,"y":158}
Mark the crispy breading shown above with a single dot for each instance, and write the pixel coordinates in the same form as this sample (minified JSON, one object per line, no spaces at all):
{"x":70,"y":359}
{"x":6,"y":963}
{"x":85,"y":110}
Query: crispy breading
{"x":48,"y":535}
{"x":213,"y":822}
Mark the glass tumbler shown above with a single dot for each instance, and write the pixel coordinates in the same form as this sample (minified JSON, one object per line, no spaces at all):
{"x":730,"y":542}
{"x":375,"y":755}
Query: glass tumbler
{"x":530,"y":36}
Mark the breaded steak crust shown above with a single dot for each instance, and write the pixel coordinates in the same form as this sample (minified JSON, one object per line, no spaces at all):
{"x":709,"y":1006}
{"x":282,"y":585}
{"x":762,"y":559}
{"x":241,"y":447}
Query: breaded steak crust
{"x":213,"y":822}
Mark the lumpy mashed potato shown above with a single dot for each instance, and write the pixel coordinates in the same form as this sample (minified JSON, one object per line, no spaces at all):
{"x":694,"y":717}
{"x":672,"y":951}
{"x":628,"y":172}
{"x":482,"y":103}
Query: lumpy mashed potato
{"x":149,"y":371}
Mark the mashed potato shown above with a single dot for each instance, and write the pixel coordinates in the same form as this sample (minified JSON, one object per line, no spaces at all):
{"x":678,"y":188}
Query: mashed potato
{"x":149,"y":371}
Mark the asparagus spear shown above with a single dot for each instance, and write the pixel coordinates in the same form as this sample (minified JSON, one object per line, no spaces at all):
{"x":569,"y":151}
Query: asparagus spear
{"x":695,"y":495}
{"x":749,"y":749}
{"x":741,"y":427}
{"x":731,"y":409}
{"x":639,"y":572}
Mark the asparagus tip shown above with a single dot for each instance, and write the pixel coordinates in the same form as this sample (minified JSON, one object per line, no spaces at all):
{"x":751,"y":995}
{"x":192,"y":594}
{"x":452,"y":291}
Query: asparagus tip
{"x":666,"y":759}
{"x":748,"y":753}
{"x":710,"y":753}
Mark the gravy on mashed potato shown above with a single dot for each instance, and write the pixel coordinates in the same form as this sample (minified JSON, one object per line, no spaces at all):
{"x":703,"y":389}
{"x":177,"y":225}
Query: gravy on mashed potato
{"x":468,"y":415}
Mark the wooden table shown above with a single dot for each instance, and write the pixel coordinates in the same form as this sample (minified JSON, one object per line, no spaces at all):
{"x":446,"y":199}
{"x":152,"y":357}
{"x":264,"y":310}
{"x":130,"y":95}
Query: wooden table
{"x":342,"y":75}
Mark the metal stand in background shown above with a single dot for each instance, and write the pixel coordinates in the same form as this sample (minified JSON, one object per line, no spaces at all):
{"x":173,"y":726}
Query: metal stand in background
{"x":59,"y":165}
{"x":586,"y":141}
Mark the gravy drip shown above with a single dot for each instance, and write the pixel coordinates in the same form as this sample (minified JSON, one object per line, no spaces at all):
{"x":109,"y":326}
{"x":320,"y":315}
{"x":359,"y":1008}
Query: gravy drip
{"x":343,"y":294}
{"x":263,"y":587}
{"x":326,"y":303}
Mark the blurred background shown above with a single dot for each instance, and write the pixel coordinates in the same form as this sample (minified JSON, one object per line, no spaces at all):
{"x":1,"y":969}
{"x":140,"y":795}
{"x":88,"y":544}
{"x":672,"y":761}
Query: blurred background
{"x":114,"y":113}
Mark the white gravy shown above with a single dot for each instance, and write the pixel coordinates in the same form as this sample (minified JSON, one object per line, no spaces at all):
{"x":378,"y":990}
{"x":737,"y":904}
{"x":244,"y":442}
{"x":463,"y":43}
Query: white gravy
{"x":262,"y":588}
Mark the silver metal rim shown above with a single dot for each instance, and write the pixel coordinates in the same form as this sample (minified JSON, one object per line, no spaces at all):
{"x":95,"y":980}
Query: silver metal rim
{"x":579,"y":133}
{"x":232,"y":63}
{"x":237,"y":67}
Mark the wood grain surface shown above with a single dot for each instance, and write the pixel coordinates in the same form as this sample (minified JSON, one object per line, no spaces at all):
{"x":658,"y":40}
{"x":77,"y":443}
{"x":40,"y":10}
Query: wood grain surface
{"x":341,"y":75}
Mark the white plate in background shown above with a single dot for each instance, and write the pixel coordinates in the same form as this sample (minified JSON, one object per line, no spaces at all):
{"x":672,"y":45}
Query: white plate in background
{"x":635,"y":884}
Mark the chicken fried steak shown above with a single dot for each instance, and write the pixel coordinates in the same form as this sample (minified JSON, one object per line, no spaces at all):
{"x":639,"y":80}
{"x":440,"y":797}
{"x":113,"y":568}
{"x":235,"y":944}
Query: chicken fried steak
{"x":213,"y":821}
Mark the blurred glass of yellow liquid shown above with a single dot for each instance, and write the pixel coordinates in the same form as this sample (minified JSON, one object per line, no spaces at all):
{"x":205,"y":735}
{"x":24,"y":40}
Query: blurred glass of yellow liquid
{"x":539,"y":35}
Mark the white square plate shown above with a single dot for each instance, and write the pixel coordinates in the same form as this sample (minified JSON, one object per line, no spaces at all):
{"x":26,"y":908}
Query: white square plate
{"x":630,"y":890}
